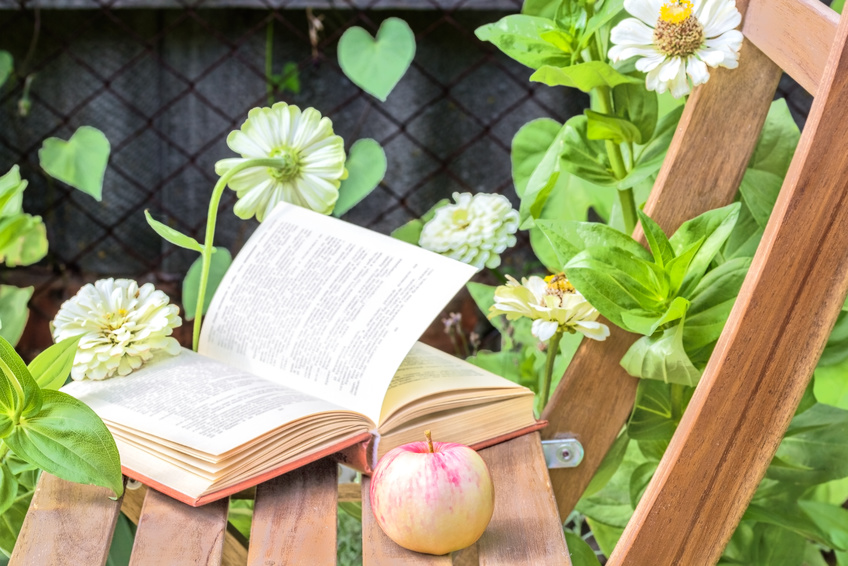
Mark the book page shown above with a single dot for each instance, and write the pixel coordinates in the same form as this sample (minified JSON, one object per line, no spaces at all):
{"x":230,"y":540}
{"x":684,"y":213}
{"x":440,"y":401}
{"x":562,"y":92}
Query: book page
{"x":197,"y":402}
{"x":327,"y":307}
{"x":427,"y":371}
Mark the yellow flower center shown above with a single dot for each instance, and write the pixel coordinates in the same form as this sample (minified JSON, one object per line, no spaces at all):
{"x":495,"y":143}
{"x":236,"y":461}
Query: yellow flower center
{"x":676,"y":11}
{"x":558,"y":285}
{"x":678,"y":32}
{"x":291,"y":170}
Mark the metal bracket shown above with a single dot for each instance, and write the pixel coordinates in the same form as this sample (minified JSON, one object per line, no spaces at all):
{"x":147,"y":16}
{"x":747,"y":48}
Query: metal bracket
{"x":562,"y":452}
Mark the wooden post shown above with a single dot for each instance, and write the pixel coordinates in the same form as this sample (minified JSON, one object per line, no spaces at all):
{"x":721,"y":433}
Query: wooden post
{"x":768,"y":350}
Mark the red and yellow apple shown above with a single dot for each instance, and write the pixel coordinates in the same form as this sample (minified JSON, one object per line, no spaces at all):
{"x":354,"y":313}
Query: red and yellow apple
{"x":432,"y":497}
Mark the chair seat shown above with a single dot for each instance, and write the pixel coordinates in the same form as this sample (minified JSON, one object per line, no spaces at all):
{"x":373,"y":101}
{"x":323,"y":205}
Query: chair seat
{"x":294,"y":522}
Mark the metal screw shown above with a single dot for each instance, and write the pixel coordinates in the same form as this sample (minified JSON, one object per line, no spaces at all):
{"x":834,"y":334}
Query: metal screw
{"x":566,"y":454}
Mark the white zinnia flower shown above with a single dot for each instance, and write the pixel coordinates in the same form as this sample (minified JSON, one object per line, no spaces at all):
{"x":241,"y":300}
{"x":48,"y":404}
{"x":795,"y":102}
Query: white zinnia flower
{"x":475,"y":230}
{"x":677,"y":39}
{"x":552,"y":303}
{"x":315,"y":161}
{"x":122,"y":325}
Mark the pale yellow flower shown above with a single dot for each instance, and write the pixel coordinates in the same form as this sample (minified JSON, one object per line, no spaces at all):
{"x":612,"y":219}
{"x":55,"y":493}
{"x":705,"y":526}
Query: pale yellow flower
{"x":122,"y":326}
{"x":475,"y":230}
{"x":314,"y":161}
{"x":552,"y":303}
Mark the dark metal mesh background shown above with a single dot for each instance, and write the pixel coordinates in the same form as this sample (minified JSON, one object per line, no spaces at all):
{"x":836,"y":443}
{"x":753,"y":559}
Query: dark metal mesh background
{"x":167,"y":85}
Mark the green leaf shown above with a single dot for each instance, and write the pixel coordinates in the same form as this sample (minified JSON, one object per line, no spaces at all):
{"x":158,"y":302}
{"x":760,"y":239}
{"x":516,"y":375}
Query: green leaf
{"x":836,"y":349}
{"x":80,"y":162}
{"x":609,"y":289}
{"x":711,"y":303}
{"x":519,"y":36}
{"x":606,"y":127}
{"x":640,"y":479}
{"x":831,"y":385}
{"x":584,"y":157}
{"x":790,"y":517}
{"x":745,"y":237}
{"x":611,"y":505}
{"x":830,"y":519}
{"x":11,"y":522}
{"x":15,"y":369}
{"x":569,"y":238}
{"x":678,"y":267}
{"x":51,"y":368}
{"x":583,"y":76}
{"x":8,"y":487}
{"x":763,"y":544}
{"x":650,"y":156}
{"x":657,"y":240}
{"x":529,"y":146}
{"x":661,"y":357}
{"x":815,"y":447}
{"x":837,"y":6}
{"x":714,"y":227}
{"x":543,"y":8}
{"x":173,"y":236}
{"x":411,"y":231}
{"x":652,"y":417}
{"x":11,"y":192}
{"x":7,"y":64}
{"x":376,"y":65}
{"x":366,"y":167}
{"x":637,"y":105}
{"x":580,"y":552}
{"x":606,"y":536}
{"x":68,"y":440}
{"x":25,"y":243}
{"x":609,"y":465}
{"x":221,"y":261}
{"x":14,"y":311}
{"x":352,"y":508}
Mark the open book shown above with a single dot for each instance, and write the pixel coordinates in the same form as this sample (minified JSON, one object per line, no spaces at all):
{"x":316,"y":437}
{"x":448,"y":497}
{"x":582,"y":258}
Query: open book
{"x":308,"y":349}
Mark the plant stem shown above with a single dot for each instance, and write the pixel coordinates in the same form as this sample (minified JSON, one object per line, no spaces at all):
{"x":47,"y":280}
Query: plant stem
{"x":619,"y":169}
{"x":269,"y":61}
{"x":553,"y":349}
{"x":211,"y":220}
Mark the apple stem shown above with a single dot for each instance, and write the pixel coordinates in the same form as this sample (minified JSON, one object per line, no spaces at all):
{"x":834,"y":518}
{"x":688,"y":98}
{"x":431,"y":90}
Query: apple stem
{"x":429,"y":441}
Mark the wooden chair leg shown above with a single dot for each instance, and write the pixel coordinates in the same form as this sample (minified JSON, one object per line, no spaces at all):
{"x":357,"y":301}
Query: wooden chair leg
{"x":594,"y":398}
{"x":771,"y":344}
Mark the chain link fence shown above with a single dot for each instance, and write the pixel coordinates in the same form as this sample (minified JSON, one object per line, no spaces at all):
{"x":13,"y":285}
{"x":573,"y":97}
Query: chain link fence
{"x":167,"y":80}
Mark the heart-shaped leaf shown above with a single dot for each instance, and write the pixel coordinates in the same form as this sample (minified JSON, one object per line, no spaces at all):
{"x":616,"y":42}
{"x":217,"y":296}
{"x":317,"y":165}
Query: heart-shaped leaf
{"x":174,"y":236}
{"x":366,"y":166}
{"x":51,"y":368}
{"x":221,"y":261}
{"x":80,"y":161}
{"x":13,"y":311}
{"x":68,"y":440}
{"x":6,"y":66}
{"x":376,"y":65}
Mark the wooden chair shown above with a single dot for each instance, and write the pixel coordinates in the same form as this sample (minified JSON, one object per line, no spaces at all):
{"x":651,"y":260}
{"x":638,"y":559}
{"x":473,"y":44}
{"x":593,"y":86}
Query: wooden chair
{"x":729,"y":434}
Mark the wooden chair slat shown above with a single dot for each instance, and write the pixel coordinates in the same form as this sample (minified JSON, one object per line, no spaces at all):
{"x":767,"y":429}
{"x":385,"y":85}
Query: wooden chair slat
{"x":705,"y":163}
{"x":795,"y":34}
{"x":380,"y":550}
{"x":67,"y":523}
{"x":768,"y":350}
{"x":294,"y":519}
{"x":173,"y":533}
{"x":525,"y":528}
{"x":235,"y":553}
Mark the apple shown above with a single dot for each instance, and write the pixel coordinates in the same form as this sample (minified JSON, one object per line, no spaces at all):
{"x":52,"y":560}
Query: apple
{"x":432,"y":497}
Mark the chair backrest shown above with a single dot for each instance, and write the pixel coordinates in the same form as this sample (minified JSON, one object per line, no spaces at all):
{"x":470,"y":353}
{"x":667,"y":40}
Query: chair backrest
{"x":784,"y":312}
